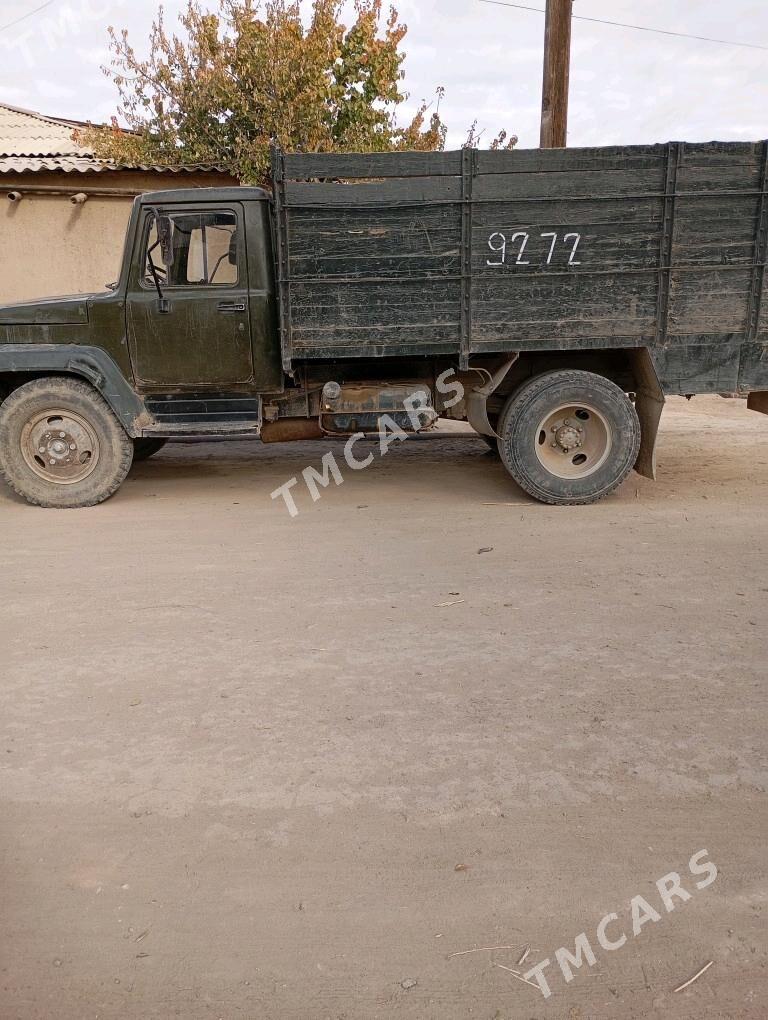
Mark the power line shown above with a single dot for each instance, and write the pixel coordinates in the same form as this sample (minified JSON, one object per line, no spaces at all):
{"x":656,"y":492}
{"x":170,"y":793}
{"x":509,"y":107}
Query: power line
{"x":637,"y":28}
{"x":29,"y":14}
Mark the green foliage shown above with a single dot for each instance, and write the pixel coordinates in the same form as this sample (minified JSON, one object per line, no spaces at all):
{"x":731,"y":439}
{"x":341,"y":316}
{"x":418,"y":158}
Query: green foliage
{"x":254,"y":72}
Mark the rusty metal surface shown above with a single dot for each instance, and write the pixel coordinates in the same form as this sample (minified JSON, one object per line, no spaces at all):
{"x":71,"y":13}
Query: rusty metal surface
{"x":288,"y":430}
{"x":359,"y":406}
{"x":375,"y":396}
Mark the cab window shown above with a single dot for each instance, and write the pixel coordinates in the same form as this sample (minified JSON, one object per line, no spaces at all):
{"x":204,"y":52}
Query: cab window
{"x":204,"y":247}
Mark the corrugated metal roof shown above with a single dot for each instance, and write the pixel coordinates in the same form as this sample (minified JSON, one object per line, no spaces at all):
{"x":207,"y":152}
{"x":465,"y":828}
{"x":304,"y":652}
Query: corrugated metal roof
{"x":30,"y":142}
{"x":23,"y":133}
{"x":90,"y":165}
{"x":25,"y":164}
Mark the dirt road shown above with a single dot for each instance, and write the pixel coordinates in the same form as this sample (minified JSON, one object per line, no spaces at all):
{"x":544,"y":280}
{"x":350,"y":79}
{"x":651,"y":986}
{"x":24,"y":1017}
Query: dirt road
{"x":256,"y":767}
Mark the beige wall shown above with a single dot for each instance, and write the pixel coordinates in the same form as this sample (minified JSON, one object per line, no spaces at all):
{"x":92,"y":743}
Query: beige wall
{"x":49,"y":246}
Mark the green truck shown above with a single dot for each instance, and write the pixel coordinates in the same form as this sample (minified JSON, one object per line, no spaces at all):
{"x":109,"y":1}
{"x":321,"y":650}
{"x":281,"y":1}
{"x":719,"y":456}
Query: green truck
{"x":565,"y":292}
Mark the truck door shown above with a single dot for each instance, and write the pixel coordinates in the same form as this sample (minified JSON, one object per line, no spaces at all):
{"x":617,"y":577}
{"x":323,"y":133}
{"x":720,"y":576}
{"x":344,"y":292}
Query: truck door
{"x":197,"y":336}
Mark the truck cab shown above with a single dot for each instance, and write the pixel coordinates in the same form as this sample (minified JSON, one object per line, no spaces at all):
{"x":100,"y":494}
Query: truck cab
{"x":199,"y":291}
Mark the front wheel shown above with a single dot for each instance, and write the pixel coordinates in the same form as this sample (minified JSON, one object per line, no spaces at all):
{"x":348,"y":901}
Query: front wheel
{"x":569,"y":437}
{"x":61,"y":445}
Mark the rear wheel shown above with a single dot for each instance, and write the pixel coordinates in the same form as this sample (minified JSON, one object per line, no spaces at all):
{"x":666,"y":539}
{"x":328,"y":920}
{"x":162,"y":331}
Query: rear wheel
{"x":569,"y":437}
{"x":61,"y":445}
{"x":143,"y":449}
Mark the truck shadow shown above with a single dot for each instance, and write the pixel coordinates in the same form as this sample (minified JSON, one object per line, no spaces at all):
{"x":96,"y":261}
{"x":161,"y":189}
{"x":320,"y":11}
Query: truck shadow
{"x":410,"y":470}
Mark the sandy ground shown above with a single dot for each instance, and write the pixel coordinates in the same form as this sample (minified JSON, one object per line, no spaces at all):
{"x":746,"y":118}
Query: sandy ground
{"x":253,"y":768}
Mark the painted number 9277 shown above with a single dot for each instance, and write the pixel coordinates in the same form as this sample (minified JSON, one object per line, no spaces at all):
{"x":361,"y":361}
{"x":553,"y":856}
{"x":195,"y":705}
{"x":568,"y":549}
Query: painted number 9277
{"x":514,"y":250}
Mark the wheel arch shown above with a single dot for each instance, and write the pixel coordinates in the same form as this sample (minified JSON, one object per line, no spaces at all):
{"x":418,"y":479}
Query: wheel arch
{"x":632,"y":369}
{"x":20,"y":363}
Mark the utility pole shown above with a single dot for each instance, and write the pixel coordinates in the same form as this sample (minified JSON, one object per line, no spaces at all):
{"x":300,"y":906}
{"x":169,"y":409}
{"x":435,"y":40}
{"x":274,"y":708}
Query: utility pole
{"x":557,"y":59}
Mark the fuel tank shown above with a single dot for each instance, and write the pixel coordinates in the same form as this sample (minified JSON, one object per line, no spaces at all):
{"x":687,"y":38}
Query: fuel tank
{"x":358,"y":407}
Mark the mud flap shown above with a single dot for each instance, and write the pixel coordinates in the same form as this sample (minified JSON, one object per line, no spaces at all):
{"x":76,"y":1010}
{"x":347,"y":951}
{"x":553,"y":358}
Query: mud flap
{"x":758,"y":402}
{"x":649,"y":404}
{"x":477,"y":413}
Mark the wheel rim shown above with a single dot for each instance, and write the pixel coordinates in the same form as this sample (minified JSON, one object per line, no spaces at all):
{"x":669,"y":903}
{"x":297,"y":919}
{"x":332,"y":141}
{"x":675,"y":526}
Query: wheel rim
{"x":573,"y":441}
{"x":60,"y":446}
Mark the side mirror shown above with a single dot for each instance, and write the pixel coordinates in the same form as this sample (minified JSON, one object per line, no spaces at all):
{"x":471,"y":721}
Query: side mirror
{"x":165,"y":236}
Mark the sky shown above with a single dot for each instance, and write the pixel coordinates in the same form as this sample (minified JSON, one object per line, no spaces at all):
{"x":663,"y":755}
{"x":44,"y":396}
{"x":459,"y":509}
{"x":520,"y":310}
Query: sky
{"x":626,"y":86}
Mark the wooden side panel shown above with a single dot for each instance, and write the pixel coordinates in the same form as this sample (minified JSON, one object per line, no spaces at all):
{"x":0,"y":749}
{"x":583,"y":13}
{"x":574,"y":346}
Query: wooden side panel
{"x":713,"y":265}
{"x":572,"y":186}
{"x":715,"y":230}
{"x":362,"y":311}
{"x":700,"y":368}
{"x":574,"y":248}
{"x":374,"y":267}
{"x":343,"y":166}
{"x":540,"y":308}
{"x":753,"y":367}
{"x":568,"y":258}
{"x":396,"y":244}
{"x":383,"y":281}
{"x":708,"y":300}
{"x":609,"y":157}
{"x":375,"y":195}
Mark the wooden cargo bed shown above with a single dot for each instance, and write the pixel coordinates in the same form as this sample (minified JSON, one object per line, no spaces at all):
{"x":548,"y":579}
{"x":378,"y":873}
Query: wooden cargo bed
{"x":456,"y":254}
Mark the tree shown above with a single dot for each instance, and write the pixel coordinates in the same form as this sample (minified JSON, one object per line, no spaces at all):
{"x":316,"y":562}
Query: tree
{"x":501,"y":141}
{"x":253,"y":72}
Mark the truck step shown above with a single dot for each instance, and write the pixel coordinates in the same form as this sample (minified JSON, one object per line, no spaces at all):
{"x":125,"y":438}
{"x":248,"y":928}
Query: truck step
{"x":203,"y":414}
{"x":184,"y":429}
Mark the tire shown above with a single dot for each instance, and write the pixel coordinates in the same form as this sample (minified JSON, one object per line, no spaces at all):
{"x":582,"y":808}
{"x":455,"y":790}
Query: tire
{"x":143,"y":449}
{"x":61,"y":445}
{"x":569,"y":437}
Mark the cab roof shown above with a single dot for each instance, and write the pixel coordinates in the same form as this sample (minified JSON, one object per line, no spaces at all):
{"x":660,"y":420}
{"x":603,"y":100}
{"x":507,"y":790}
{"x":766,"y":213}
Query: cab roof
{"x":230,"y":194}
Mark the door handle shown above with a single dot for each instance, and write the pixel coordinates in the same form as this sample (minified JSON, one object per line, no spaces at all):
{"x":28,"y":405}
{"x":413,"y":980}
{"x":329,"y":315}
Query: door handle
{"x":231,"y":306}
